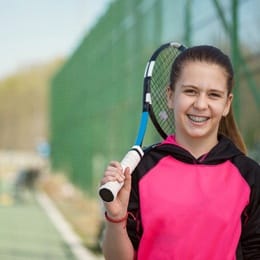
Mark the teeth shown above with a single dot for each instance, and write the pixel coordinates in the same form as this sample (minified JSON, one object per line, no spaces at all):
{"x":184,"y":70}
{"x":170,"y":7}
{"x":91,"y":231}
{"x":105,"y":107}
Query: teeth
{"x":198,"y":119}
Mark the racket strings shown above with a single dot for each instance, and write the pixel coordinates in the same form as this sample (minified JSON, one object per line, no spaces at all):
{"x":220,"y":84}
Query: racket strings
{"x":158,"y":86}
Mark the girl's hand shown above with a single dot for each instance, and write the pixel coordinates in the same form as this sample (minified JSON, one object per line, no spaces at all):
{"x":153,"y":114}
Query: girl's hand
{"x":117,"y":209}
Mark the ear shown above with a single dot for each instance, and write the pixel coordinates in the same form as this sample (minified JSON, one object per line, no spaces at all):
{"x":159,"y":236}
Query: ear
{"x":170,"y":96}
{"x":228,"y":105}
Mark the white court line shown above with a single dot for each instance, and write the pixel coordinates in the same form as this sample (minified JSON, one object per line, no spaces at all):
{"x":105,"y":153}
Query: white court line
{"x":63,"y":227}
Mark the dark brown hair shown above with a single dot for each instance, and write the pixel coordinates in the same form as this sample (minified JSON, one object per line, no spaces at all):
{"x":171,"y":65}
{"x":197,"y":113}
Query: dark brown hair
{"x":211,"y":55}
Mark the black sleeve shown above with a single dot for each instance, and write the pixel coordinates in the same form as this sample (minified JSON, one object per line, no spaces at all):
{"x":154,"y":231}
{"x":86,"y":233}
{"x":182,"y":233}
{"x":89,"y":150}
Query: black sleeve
{"x":134,"y":222}
{"x":134,"y":226}
{"x":250,"y":238}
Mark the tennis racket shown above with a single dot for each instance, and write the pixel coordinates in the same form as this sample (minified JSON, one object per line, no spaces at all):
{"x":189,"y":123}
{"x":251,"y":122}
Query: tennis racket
{"x":156,"y":81}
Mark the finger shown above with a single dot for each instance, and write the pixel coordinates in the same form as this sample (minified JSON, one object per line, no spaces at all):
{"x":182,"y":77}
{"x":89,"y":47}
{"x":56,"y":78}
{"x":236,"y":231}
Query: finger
{"x":111,"y":171}
{"x":112,"y":177}
{"x":116,"y":164}
{"x":112,"y":174}
{"x":127,"y":180}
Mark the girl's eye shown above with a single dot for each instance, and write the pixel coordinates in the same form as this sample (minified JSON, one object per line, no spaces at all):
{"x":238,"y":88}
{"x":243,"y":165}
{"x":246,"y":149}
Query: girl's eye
{"x":190,"y":92}
{"x":214,"y":95}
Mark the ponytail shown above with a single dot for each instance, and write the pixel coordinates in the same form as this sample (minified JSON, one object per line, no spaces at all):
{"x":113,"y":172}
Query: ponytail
{"x":229,"y":128}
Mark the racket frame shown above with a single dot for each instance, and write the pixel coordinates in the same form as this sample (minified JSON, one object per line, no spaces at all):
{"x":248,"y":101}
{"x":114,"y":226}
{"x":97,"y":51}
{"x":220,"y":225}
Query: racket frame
{"x":108,"y":191}
{"x":147,"y":82}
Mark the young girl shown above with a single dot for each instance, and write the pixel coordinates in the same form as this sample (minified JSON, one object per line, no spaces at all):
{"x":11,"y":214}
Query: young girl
{"x":196,"y":195}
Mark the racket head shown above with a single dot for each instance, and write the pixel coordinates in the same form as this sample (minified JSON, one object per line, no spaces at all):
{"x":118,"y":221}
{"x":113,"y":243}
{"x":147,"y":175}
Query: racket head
{"x":156,"y":82}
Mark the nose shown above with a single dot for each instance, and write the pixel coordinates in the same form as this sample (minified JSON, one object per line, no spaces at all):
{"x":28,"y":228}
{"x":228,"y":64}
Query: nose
{"x":201,"y":102}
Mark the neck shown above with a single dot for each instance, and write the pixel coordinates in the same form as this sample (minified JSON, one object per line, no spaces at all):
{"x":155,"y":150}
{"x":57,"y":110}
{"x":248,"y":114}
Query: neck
{"x":196,"y":146}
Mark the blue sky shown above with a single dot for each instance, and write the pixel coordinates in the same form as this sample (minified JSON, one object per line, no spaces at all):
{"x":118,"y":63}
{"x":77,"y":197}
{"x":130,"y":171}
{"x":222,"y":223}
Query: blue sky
{"x":36,"y":31}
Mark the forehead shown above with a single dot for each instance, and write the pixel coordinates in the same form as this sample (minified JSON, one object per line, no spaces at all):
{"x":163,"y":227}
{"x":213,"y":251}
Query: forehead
{"x":203,"y":65}
{"x":203,"y":74}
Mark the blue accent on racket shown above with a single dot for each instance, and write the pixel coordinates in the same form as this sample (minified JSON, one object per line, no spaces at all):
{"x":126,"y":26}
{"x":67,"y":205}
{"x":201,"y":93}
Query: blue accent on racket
{"x":142,"y":128}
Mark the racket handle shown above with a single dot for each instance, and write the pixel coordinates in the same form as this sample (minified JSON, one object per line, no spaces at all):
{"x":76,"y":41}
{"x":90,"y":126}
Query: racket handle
{"x":109,"y":190}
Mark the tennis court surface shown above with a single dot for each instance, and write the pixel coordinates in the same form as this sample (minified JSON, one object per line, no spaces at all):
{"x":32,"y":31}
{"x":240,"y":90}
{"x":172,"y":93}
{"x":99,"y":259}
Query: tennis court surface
{"x":31,"y":227}
{"x":26,"y":232}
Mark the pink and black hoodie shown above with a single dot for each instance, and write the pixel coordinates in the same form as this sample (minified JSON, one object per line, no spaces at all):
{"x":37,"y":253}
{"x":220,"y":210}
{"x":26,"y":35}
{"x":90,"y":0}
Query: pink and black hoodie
{"x":195,"y":209}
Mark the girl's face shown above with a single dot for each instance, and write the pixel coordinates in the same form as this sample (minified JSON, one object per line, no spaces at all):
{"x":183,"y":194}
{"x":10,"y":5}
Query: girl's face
{"x":199,"y":101}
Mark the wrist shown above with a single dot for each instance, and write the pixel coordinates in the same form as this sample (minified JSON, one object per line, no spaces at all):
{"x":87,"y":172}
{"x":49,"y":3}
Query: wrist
{"x":116,"y":220}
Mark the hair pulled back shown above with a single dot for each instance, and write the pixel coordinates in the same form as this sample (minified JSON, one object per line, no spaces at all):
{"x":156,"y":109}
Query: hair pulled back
{"x":211,"y":55}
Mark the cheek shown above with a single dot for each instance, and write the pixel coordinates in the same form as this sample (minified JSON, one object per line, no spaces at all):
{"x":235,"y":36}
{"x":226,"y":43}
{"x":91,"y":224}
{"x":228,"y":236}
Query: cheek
{"x":179,"y":108}
{"x":181,"y":103}
{"x":219,"y":110}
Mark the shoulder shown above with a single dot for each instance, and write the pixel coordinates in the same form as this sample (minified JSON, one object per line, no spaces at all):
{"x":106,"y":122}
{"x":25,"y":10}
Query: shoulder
{"x":246,"y":162}
{"x":249,"y":168}
{"x":150,"y":158}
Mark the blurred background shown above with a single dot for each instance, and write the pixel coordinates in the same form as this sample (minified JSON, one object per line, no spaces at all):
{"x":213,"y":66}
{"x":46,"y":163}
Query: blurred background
{"x":70,"y":97}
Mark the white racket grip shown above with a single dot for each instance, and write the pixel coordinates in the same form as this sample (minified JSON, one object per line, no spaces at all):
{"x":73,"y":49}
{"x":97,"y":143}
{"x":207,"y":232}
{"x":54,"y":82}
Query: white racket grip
{"x":132,"y":158}
{"x":109,"y":190}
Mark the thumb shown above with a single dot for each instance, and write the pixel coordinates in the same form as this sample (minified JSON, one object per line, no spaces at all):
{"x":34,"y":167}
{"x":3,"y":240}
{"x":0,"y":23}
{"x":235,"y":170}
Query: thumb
{"x":127,"y":182}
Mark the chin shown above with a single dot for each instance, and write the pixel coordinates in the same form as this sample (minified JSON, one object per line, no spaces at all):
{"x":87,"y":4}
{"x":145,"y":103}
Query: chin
{"x":198,"y":134}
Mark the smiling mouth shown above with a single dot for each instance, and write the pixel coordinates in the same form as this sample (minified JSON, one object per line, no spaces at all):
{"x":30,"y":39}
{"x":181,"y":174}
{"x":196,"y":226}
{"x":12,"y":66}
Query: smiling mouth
{"x":198,"y":119}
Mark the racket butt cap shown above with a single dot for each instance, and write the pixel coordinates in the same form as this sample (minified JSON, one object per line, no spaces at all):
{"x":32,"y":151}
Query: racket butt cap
{"x":106,"y":195}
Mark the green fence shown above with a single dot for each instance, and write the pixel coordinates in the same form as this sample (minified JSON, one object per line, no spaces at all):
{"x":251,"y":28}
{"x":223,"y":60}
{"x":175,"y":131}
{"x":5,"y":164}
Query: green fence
{"x":96,"y":97}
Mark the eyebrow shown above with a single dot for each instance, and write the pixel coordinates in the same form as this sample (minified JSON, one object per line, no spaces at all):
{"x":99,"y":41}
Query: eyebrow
{"x":196,"y":87}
